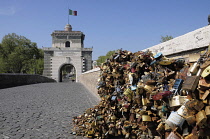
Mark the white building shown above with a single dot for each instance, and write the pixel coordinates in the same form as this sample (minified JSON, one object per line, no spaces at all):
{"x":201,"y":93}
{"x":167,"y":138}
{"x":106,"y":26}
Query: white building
{"x":67,"y":50}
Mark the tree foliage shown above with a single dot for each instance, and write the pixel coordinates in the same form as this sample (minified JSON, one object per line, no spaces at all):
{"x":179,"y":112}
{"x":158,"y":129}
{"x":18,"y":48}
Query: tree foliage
{"x":102,"y":59}
{"x":166,"y":38}
{"x":19,"y":55}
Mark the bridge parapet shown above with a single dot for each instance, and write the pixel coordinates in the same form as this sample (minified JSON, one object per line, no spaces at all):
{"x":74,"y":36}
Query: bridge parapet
{"x":18,"y":79}
{"x":189,"y":43}
{"x":89,"y":79}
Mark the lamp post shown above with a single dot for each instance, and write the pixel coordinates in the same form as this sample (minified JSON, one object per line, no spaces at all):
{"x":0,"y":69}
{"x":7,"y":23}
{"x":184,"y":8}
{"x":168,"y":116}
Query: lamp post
{"x":34,"y":63}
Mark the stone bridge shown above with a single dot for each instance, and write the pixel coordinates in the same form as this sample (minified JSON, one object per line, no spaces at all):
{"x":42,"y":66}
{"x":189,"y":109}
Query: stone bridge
{"x":45,"y":110}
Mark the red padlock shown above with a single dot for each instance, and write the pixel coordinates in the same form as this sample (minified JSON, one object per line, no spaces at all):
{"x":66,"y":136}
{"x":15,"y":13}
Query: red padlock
{"x":157,"y":97}
{"x":161,"y":95}
{"x":166,"y":93}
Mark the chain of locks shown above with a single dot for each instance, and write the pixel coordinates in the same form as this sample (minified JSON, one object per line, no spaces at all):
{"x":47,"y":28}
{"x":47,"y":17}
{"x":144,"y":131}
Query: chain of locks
{"x":146,"y":96}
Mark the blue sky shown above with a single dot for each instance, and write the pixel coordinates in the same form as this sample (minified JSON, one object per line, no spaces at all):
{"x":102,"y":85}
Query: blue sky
{"x":132,"y":25}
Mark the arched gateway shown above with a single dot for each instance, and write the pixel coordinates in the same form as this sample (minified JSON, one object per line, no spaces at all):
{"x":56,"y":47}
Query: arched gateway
{"x":67,"y":55}
{"x":67,"y":72}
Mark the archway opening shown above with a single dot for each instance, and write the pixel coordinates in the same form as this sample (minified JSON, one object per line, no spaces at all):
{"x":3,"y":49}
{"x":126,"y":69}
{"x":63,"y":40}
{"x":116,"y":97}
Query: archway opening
{"x":67,"y":44}
{"x":67,"y":73}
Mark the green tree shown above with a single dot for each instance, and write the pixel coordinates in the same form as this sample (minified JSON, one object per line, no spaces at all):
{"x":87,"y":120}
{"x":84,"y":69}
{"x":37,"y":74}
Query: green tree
{"x":110,"y":53}
{"x":1,"y":60}
{"x":39,"y":66}
{"x":166,"y":38}
{"x":18,"y":54}
{"x":102,"y":59}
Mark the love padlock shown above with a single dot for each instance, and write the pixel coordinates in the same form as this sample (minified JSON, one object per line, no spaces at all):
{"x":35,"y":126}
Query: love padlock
{"x":174,"y":120}
{"x":201,"y":118}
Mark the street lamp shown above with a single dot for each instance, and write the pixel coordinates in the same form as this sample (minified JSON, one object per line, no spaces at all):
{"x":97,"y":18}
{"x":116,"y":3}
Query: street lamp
{"x":34,"y":63}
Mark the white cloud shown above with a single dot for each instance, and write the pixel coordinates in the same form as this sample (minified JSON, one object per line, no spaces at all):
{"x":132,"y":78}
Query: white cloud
{"x":10,"y":10}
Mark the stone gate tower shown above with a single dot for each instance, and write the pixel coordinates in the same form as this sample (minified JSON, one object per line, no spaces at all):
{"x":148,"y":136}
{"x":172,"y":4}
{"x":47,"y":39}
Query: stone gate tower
{"x":67,"y":50}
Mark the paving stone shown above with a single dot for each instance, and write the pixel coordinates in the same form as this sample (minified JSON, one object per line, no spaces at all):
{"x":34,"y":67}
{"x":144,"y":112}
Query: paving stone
{"x":42,"y":110}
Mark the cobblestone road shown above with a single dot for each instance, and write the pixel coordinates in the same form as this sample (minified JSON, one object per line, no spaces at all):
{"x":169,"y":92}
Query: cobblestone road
{"x":42,"y":111}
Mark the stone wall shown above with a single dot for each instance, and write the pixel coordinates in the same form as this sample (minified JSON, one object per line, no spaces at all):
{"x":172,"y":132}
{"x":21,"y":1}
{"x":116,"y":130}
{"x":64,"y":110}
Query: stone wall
{"x":184,"y":45}
{"x":89,"y":79}
{"x":11,"y":80}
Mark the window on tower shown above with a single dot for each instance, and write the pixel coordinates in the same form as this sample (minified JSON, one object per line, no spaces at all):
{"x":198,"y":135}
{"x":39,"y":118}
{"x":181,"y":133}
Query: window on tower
{"x":67,"y":44}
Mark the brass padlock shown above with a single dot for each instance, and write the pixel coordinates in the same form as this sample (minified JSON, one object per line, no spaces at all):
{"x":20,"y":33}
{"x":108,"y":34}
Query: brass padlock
{"x":177,"y":100}
{"x":190,"y":120}
{"x":204,"y":84}
{"x":207,"y":111}
{"x":190,"y":105}
{"x":201,"y":118}
{"x":206,"y":63}
{"x":149,"y":88}
{"x":190,"y":83}
{"x":206,"y":72}
{"x":144,"y":101}
{"x":205,"y":95}
{"x":128,"y":93}
{"x":113,"y":118}
{"x":198,"y":105}
{"x":146,"y":118}
{"x":165,"y":62}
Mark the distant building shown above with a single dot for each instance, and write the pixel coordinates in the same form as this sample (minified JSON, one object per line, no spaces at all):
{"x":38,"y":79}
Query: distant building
{"x":95,"y":64}
{"x":67,"y":51}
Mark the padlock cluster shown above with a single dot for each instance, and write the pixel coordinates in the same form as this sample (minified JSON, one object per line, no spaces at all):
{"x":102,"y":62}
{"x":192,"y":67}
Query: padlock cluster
{"x":146,"y":96}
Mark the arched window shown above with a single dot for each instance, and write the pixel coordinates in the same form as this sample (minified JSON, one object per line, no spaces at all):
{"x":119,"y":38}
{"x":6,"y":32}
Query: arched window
{"x":67,"y":44}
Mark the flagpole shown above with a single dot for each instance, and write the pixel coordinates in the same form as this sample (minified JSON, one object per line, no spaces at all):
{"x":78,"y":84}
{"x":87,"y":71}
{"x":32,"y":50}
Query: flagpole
{"x":68,"y":15}
{"x":68,"y":10}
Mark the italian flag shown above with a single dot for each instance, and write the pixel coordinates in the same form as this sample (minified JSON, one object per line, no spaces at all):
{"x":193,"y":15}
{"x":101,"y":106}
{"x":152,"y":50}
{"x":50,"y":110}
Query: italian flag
{"x":72,"y":12}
